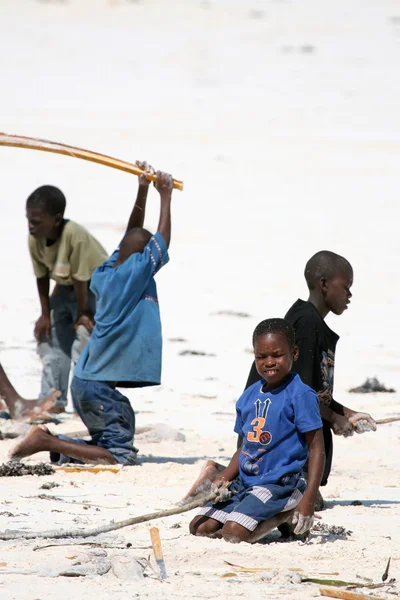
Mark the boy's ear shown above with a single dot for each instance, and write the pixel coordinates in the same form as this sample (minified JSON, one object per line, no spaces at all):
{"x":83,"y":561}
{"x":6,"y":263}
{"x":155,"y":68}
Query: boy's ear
{"x":295,"y":353}
{"x":323,"y":283}
{"x":58,"y":218}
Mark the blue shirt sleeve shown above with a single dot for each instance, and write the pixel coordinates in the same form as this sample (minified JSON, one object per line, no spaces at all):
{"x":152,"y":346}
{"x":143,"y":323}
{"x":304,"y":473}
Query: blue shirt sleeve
{"x":132,"y":277}
{"x":239,"y":421}
{"x":307,"y":416}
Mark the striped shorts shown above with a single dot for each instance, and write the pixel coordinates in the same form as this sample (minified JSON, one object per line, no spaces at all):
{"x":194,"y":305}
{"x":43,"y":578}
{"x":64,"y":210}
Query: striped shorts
{"x":248,"y":506}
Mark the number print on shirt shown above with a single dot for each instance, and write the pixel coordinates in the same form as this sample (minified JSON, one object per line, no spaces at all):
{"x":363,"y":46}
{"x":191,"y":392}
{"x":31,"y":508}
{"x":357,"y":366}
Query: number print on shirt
{"x":258,"y":435}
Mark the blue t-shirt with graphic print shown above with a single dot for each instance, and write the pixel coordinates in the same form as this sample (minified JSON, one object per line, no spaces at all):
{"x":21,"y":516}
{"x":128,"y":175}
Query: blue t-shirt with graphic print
{"x":125,"y":346}
{"x":273,"y":425}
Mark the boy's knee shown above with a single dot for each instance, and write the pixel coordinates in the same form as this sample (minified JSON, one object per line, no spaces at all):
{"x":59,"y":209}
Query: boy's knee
{"x":204,"y":526}
{"x":234,"y":533}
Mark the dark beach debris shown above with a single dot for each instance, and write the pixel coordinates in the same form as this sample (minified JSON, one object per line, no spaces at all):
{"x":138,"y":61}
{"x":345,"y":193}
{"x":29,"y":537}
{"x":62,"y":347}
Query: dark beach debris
{"x":386,"y":572}
{"x":230,"y":313}
{"x":195,"y":353}
{"x":49,"y":485}
{"x":370,"y":386}
{"x":356,"y":503}
{"x":17,"y":469}
{"x":307,"y":49}
{"x":336,"y":530}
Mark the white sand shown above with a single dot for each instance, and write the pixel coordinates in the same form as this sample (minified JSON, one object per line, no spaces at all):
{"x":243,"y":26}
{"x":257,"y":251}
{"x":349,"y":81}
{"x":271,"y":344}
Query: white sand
{"x":282,"y":118}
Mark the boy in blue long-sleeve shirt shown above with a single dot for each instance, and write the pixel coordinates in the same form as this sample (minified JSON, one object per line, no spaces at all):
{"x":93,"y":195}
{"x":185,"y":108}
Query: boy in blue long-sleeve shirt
{"x":125,"y":346}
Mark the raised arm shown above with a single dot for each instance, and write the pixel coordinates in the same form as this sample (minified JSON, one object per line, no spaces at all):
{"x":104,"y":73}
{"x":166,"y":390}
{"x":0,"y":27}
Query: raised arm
{"x":136,"y":218}
{"x":163,"y":185}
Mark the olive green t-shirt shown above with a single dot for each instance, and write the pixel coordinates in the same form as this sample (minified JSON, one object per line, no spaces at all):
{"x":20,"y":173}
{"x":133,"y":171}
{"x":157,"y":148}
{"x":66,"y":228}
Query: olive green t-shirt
{"x":75,"y":255}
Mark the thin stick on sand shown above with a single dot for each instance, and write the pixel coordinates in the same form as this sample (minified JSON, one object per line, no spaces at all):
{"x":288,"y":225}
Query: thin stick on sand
{"x":20,"y":141}
{"x":345,"y":595}
{"x":387,"y":420}
{"x":58,"y":534}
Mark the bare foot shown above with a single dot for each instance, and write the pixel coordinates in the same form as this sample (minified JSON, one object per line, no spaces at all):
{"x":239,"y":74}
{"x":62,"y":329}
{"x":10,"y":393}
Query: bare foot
{"x":57,"y":410}
{"x":32,"y":410}
{"x":34,"y":442}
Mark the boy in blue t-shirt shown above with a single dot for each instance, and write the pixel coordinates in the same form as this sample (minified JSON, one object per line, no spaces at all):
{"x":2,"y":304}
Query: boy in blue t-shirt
{"x":280,"y":422}
{"x":125,"y":347}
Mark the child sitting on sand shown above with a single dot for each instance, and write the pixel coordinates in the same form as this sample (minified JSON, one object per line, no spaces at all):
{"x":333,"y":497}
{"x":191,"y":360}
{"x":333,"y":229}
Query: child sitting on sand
{"x":329,"y":278}
{"x":125,"y":347}
{"x":279,"y":421}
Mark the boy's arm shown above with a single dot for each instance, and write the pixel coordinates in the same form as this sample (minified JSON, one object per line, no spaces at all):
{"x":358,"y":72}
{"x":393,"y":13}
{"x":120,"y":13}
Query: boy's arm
{"x":316,"y":462}
{"x":344,"y":420}
{"x":85,"y":315}
{"x":42,"y":325}
{"x":163,"y":185}
{"x":231,"y":471}
{"x":136,"y":218}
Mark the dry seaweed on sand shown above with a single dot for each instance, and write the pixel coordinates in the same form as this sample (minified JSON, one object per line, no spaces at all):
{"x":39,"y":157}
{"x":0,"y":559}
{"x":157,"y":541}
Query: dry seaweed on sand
{"x":336,"y":530}
{"x":370,"y":386}
{"x":17,"y":469}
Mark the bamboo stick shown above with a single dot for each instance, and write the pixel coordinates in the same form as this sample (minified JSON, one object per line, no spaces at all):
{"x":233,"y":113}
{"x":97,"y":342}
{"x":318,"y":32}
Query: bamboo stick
{"x":20,"y":141}
{"x":88,"y":469}
{"x":345,"y":595}
{"x":79,"y":533}
{"x":387,"y":420}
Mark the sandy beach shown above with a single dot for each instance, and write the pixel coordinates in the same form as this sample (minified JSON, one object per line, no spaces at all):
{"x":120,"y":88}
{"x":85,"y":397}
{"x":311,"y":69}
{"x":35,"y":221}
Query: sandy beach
{"x":282,"y":119}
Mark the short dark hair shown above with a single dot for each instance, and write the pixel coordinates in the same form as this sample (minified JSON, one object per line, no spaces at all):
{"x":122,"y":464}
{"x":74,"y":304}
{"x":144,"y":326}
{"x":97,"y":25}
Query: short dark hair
{"x":48,"y":198}
{"x":325,"y":264}
{"x":281,"y":326}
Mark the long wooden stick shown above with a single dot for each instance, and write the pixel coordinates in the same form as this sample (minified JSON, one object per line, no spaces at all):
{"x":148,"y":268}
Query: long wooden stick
{"x":345,"y":595}
{"x":20,"y":141}
{"x":387,"y":420}
{"x":57,"y":534}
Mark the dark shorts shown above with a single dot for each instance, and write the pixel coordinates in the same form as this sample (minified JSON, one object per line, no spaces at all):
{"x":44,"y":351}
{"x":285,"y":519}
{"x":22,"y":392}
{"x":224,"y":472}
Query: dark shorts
{"x":108,"y":416}
{"x":248,"y":506}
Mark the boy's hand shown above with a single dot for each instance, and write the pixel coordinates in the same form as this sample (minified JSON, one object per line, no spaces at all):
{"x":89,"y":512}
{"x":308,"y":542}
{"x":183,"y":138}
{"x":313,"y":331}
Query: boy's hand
{"x":362,"y":422}
{"x":148,"y":170}
{"x":303,"y":517}
{"x":342,"y":426}
{"x":42,"y":327}
{"x":163,"y":183}
{"x":303,"y":523}
{"x":220,"y":487}
{"x":87,"y":321}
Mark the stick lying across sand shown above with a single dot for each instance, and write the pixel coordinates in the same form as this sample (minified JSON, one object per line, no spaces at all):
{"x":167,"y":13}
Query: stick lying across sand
{"x":85,"y":533}
{"x":345,"y":595}
{"x":20,"y":141}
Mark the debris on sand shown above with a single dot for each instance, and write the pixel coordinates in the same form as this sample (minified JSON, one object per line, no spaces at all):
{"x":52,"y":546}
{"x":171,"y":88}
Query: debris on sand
{"x":231,"y":313}
{"x":195,"y":353}
{"x":370,"y":386}
{"x":17,"y":469}
{"x":49,"y":485}
{"x":336,"y":530}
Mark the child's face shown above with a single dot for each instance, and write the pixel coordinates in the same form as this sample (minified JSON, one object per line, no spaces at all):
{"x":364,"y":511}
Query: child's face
{"x":337,"y":292}
{"x":41,"y":224}
{"x":274,"y":358}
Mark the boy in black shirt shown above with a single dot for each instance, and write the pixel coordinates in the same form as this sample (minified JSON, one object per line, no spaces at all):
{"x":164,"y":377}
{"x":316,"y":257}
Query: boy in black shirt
{"x":329,"y":278}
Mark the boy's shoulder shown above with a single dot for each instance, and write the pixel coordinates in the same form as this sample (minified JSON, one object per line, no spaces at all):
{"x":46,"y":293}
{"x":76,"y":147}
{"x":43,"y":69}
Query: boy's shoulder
{"x":297,"y":387}
{"x":73,"y":230}
{"x":303,"y":310}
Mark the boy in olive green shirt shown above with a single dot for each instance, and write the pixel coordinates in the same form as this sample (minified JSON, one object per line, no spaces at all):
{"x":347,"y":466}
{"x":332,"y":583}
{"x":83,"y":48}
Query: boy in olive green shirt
{"x":66,"y":252}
